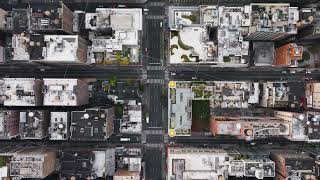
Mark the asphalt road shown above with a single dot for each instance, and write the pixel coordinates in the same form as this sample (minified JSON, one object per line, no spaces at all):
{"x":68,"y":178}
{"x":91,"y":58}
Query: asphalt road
{"x":151,"y":57}
{"x":234,"y":74}
{"x":197,"y":140}
{"x":69,"y":71}
{"x":154,"y":162}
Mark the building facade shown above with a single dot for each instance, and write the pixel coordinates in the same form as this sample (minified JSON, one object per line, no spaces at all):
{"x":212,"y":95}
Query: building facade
{"x":32,"y":163}
{"x":9,"y":124}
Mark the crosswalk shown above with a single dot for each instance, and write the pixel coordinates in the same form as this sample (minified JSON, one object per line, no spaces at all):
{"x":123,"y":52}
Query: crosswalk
{"x":155,"y":81}
{"x":153,"y":131}
{"x":155,"y":68}
{"x":161,"y":145}
{"x":156,"y":4}
{"x":155,"y":17}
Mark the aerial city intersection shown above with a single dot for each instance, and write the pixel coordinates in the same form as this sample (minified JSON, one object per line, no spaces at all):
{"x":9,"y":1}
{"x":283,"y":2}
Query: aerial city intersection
{"x":159,"y":89}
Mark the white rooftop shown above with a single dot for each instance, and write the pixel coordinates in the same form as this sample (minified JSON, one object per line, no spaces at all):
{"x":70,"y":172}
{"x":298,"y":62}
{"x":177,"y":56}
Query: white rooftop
{"x":195,"y":161}
{"x":22,"y":91}
{"x":59,"y":126}
{"x":60,"y":92}
{"x":61,"y":48}
{"x":123,"y":18}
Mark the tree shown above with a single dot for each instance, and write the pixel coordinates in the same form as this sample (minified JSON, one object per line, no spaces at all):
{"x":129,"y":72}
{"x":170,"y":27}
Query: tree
{"x":113,"y":81}
{"x":118,"y":110}
{"x":141,"y":87}
{"x":130,"y":82}
{"x":118,"y":57}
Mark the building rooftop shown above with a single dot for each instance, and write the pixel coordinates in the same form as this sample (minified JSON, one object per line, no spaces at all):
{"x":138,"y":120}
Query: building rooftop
{"x":211,"y":163}
{"x":5,"y":20}
{"x":209,"y":34}
{"x":131,"y":121}
{"x":59,"y":125}
{"x":23,"y":92}
{"x":205,"y":163}
{"x":84,"y":164}
{"x":250,"y":128}
{"x":219,"y":94}
{"x":257,"y":168}
{"x":69,"y":48}
{"x":271,"y":21}
{"x":283,"y":94}
{"x":230,"y":36}
{"x":293,"y":164}
{"x":27,"y":46}
{"x":76,"y":163}
{"x":263,"y":53}
{"x":34,"y":124}
{"x":104,"y":163}
{"x":32,"y":163}
{"x":21,"y":19}
{"x":9,"y":124}
{"x":95,"y":124}
{"x":115,"y":32}
{"x":288,"y":55}
{"x":124,"y":174}
{"x":65,"y":92}
{"x":51,"y":18}
{"x":305,"y":126}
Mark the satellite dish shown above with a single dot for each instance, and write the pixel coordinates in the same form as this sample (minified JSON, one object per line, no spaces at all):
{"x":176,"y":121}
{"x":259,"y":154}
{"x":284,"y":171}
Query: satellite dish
{"x":59,"y":136}
{"x":30,"y":114}
{"x":102,"y":115}
{"x":86,"y":116}
{"x":238,"y":126}
{"x":301,"y":117}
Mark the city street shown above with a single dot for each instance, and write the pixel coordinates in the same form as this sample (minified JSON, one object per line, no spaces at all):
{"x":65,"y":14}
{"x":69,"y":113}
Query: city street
{"x":152,"y":75}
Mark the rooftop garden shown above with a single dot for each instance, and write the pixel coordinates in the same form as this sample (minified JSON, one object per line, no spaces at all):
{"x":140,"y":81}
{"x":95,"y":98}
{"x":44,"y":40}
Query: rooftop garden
{"x":200,"y":115}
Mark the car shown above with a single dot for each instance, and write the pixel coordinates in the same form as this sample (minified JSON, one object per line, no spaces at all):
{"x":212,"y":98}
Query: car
{"x":173,"y":74}
{"x":42,"y":69}
{"x":293,"y":71}
{"x":308,"y":71}
{"x":194,"y":77}
{"x":284,"y":72}
{"x":124,"y":139}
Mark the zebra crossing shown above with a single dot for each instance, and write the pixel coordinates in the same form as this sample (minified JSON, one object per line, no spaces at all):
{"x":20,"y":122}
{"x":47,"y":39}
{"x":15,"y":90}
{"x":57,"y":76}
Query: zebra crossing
{"x":155,"y":17}
{"x":156,"y":4}
{"x":154,"y":68}
{"x":155,"y":81}
{"x":153,"y":131}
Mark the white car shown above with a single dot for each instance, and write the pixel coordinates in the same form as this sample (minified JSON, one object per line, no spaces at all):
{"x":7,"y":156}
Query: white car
{"x":293,"y":71}
{"x":124,"y":139}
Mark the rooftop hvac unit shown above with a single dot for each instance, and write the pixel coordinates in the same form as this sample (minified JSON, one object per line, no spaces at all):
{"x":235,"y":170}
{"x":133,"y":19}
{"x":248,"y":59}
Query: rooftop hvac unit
{"x":259,"y":174}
